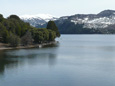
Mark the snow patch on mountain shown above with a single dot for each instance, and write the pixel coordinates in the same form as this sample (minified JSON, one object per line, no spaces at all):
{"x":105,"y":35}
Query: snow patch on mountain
{"x":39,"y":19}
{"x":45,"y":17}
{"x":101,"y":22}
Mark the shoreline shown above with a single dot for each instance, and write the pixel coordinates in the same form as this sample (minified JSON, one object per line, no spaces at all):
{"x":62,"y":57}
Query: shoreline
{"x":5,"y":47}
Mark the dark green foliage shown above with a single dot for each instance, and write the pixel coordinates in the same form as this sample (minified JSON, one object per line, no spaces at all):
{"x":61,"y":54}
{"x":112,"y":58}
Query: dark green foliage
{"x":52,"y":35}
{"x":45,"y":34}
{"x":27,"y":39}
{"x":38,"y":38}
{"x":14,"y":17}
{"x":5,"y":36}
{"x":68,"y":27}
{"x":52,"y":26}
{"x":1,"y":18}
{"x":14,"y":40}
{"x":13,"y":29}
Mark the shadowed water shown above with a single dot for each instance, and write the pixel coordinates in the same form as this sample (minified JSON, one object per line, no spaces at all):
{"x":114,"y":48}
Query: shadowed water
{"x":77,"y":60}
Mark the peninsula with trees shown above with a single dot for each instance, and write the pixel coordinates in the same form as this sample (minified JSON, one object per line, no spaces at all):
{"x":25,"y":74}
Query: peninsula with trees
{"x":15,"y":33}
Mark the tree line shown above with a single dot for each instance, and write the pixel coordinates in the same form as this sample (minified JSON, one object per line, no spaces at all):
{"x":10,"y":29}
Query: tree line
{"x":16,"y":32}
{"x":68,"y":27}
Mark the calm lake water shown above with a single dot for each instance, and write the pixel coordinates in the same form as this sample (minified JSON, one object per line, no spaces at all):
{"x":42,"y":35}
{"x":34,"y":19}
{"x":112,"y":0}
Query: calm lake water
{"x":78,"y":60}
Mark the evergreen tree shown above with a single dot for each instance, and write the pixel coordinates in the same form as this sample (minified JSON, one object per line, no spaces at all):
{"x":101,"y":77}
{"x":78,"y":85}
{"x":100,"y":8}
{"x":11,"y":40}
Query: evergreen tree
{"x":45,"y":34}
{"x":38,"y":37}
{"x":52,"y":26}
{"x":52,"y":35}
{"x":5,"y":36}
{"x":13,"y":29}
{"x":13,"y":17}
{"x":1,"y":18}
{"x":27,"y":39}
{"x":14,"y":40}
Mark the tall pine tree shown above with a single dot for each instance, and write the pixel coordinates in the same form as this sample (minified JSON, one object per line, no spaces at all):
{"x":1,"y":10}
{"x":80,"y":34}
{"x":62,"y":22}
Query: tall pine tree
{"x":52,"y":26}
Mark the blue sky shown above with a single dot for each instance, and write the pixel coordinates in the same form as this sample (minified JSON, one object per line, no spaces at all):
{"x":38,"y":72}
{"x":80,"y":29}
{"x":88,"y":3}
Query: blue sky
{"x":54,"y":7}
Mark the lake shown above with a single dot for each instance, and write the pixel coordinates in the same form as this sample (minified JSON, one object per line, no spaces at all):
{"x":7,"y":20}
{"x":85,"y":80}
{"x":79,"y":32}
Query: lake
{"x":77,"y":60}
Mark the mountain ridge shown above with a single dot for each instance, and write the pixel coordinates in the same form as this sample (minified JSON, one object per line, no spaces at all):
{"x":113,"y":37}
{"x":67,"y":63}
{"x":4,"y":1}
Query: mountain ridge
{"x":39,"y":19}
{"x":103,"y":19}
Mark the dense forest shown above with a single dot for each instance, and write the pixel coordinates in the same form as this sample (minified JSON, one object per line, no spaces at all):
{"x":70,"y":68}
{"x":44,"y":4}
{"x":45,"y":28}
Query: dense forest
{"x":68,"y":27}
{"x":15,"y":32}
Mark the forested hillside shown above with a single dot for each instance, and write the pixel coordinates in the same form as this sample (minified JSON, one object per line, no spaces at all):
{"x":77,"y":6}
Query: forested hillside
{"x":16,"y":32}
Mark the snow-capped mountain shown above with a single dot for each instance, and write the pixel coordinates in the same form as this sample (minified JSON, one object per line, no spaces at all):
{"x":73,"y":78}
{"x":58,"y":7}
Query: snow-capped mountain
{"x":103,"y":22}
{"x":38,"y":19}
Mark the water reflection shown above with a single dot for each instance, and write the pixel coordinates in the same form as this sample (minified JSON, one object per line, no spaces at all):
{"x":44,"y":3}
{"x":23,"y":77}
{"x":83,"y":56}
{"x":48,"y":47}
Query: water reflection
{"x":4,"y":62}
{"x":80,"y":60}
{"x":15,"y":58}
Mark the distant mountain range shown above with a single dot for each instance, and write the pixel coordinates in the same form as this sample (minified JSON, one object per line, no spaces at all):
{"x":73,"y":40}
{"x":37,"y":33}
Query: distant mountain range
{"x":39,"y":19}
{"x":103,"y":22}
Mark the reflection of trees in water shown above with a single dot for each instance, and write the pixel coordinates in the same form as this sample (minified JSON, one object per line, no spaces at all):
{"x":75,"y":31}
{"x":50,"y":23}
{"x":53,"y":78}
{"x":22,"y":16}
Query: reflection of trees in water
{"x":42,"y":58}
{"x":9,"y":61}
{"x":4,"y":62}
{"x":52,"y":59}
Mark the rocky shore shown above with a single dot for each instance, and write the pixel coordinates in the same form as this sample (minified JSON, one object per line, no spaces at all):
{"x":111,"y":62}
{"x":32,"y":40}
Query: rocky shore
{"x":7,"y":47}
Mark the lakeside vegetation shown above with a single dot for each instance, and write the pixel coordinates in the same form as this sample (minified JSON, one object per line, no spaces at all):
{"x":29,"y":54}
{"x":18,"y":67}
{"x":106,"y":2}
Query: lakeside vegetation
{"x":15,"y":32}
